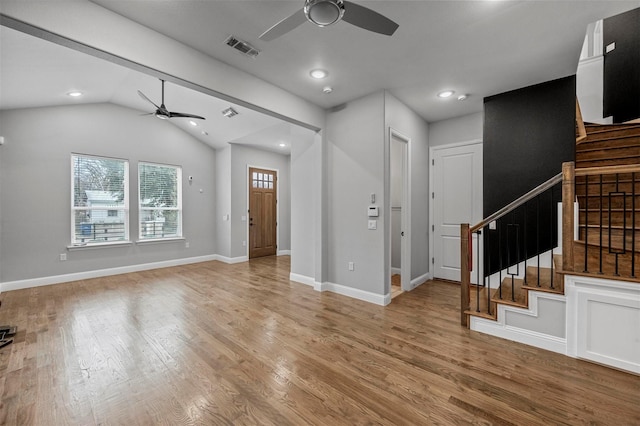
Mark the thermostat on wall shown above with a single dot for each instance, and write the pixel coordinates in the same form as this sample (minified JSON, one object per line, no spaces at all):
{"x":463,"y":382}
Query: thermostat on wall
{"x":373,"y":211}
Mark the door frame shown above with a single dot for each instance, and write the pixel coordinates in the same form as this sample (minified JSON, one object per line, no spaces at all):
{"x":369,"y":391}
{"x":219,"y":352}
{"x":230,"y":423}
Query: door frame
{"x":432,"y":151}
{"x":405,"y":218}
{"x":246,"y":210}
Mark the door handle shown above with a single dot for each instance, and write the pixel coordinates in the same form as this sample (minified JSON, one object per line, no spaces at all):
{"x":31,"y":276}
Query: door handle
{"x":402,"y":234}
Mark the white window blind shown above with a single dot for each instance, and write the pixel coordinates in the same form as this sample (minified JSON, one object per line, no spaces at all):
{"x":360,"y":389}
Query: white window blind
{"x":99,"y":200}
{"x":160,"y":200}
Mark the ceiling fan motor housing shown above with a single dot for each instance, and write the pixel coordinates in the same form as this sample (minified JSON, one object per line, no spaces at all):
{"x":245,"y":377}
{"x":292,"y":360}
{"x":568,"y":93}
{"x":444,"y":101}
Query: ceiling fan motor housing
{"x":324,"y":12}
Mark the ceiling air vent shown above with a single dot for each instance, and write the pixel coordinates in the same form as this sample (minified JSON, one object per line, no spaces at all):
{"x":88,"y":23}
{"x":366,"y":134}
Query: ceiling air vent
{"x":242,"y":46}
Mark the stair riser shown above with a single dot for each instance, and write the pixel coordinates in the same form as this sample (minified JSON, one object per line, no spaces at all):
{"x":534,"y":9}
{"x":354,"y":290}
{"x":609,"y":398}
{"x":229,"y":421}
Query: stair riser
{"x":620,"y":153}
{"x":618,"y":218}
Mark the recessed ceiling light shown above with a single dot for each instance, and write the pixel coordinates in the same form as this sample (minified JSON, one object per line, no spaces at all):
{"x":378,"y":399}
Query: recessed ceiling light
{"x":282,"y":145}
{"x":327,"y":89}
{"x":445,"y":93}
{"x":319,"y":74}
{"x":462,"y":97}
{"x":204,"y":132}
{"x":193,"y":123}
{"x":74,"y":94}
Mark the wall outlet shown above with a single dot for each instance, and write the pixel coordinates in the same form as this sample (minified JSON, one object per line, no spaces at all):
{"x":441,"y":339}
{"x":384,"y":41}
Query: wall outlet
{"x":63,"y":257}
{"x":244,"y":244}
{"x":372,"y":224}
{"x":351,"y":266}
{"x":186,"y":244}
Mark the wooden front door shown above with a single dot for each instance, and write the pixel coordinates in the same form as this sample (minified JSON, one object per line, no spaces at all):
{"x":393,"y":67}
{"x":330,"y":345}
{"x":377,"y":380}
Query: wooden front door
{"x":262,"y":212}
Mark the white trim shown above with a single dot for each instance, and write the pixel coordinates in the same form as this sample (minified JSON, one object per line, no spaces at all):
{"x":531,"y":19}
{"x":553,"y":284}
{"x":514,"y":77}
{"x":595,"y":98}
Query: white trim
{"x":284,"y":253}
{"x":231,"y":260}
{"x":405,"y":216}
{"x":421,"y":279}
{"x":355,"y":293}
{"x":57,"y":279}
{"x":528,"y":337}
{"x":302,"y":279}
{"x":160,"y":240}
{"x":395,"y":271}
{"x":100,"y":245}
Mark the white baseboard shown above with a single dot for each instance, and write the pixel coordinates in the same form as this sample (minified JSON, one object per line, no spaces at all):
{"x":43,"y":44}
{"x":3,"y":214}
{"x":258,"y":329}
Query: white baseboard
{"x":57,"y":279}
{"x":421,"y":280}
{"x":302,"y":279}
{"x":355,"y":293}
{"x":396,"y":271}
{"x":284,"y":253}
{"x":528,"y":337}
{"x":231,"y":260}
{"x":499,"y":328}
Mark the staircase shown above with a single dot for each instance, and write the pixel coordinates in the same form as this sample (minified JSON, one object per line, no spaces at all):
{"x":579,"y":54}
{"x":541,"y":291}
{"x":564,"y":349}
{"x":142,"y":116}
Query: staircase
{"x":607,"y":189}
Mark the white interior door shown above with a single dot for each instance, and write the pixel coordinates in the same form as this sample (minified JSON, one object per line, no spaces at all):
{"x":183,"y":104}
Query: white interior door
{"x":456,"y":198}
{"x":400,"y":186}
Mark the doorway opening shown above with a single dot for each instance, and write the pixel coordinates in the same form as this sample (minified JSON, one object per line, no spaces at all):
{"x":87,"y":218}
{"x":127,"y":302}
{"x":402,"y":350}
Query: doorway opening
{"x":399,"y":184}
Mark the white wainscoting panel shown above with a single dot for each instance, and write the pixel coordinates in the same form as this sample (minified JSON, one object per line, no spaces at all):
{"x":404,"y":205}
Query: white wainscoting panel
{"x":603,"y":321}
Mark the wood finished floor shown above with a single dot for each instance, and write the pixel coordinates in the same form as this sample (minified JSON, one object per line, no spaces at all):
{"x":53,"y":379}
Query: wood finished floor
{"x":212,"y":344}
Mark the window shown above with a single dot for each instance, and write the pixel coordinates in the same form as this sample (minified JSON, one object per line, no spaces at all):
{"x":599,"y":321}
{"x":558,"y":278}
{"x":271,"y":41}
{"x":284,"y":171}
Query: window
{"x":99,"y":200}
{"x":160,"y":199}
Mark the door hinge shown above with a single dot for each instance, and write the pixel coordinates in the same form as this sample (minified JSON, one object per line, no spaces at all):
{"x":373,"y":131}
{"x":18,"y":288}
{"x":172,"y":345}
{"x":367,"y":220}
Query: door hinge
{"x":433,"y":195}
{"x":433,"y":162}
{"x":433,"y":260}
{"x":433,"y":228}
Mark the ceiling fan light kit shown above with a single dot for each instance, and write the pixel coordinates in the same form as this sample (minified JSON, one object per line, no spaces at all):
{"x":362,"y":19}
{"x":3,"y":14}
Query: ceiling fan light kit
{"x":326,"y":12}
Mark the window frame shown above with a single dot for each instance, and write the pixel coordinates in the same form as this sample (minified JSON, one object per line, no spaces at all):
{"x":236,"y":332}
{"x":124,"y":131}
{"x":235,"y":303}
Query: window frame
{"x":141,"y":209}
{"x":124,"y":208}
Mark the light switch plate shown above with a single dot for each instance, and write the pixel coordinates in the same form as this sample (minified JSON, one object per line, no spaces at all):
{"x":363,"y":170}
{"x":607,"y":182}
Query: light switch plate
{"x":373,"y":224}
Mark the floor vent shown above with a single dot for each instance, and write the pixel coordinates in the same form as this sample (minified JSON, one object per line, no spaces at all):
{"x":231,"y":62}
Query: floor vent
{"x":242,"y":46}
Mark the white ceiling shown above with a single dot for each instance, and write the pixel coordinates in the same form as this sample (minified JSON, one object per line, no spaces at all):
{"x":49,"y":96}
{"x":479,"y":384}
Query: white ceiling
{"x":480,"y":48}
{"x":37,"y":73}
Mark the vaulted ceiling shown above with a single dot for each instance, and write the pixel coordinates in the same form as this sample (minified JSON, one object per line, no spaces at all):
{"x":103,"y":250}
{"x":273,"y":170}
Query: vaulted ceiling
{"x":477,"y":48}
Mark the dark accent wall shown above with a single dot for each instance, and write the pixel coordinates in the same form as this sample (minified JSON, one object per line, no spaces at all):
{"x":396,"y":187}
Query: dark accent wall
{"x":528,"y":134}
{"x":622,"y":66}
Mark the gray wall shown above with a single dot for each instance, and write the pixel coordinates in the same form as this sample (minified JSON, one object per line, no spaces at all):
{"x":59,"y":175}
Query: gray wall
{"x":355,"y":169}
{"x":241,"y":158}
{"x":402,"y":119}
{"x":35,"y":176}
{"x":458,"y":129}
{"x":223,"y":202}
{"x":305,"y":201}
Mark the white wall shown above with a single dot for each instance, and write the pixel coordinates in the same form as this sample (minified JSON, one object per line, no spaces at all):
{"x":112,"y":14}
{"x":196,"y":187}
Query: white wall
{"x":305,"y":203}
{"x":590,"y":87}
{"x":222,"y":215}
{"x":457,"y":129}
{"x":402,"y":119}
{"x":355,"y":169}
{"x":241,"y":158}
{"x":35,"y":178}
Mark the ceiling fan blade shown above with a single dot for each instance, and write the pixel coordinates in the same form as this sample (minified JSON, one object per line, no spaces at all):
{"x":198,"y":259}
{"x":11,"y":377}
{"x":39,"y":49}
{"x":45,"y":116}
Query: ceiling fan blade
{"x":142,"y":95}
{"x":183,"y":115}
{"x":284,"y":26}
{"x":368,"y":19}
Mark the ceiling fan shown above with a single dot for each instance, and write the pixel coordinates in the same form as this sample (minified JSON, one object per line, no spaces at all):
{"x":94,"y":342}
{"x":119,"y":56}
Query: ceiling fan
{"x":162,"y":112}
{"x":327,"y":12}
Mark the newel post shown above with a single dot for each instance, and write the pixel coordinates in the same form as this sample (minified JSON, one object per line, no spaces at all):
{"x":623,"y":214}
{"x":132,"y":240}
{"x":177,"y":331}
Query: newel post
{"x":568,"y":199}
{"x":465,"y":274}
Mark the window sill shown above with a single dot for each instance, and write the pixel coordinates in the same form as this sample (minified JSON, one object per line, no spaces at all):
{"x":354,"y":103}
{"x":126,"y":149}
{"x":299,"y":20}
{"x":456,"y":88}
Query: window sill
{"x":98,"y":245}
{"x":159,"y":240}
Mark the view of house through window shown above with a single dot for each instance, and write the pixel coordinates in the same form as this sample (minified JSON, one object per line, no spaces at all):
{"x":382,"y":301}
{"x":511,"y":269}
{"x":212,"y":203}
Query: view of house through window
{"x":99,"y":211}
{"x":160,"y":199}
